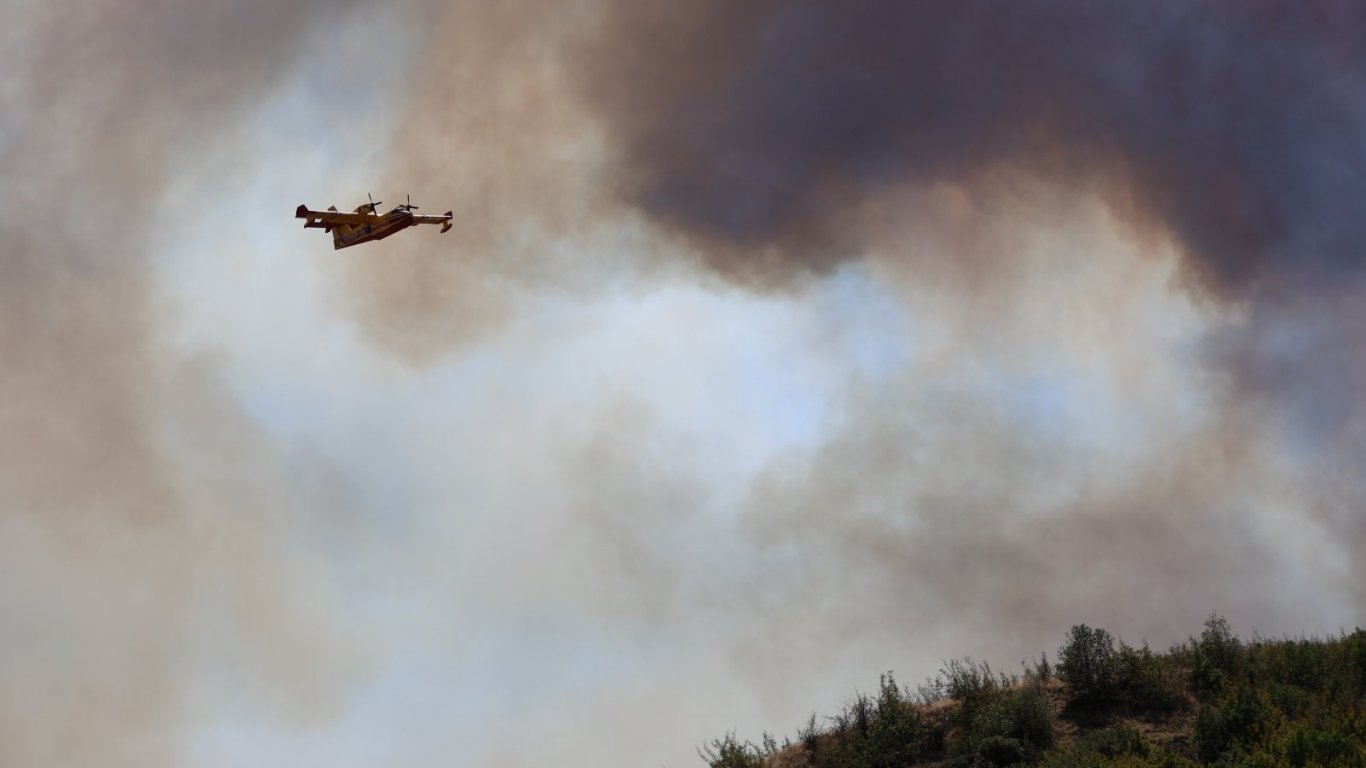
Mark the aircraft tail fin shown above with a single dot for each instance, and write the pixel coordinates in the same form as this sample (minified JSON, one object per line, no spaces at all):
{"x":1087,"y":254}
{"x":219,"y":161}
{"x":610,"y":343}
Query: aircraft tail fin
{"x":447,"y":226}
{"x":310,"y":222}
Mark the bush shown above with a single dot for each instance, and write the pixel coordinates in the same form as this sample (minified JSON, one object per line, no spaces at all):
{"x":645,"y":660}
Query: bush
{"x":896,"y":735}
{"x":1000,"y":752}
{"x":1305,"y":664}
{"x":1354,"y":665}
{"x":1218,"y":657}
{"x":971,"y":684}
{"x":1242,"y":721}
{"x":1115,"y":741}
{"x":1040,"y":673}
{"x":1239,"y":757}
{"x":1024,"y":717}
{"x":809,"y":735}
{"x":967,"y":680}
{"x":1147,"y":683}
{"x":1322,"y":749}
{"x":1291,"y":701}
{"x":1087,"y":662}
{"x":1075,"y":758}
{"x":1031,"y":718}
{"x":730,"y":753}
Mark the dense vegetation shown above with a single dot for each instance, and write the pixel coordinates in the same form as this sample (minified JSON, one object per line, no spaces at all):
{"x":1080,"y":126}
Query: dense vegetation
{"x":1213,"y":700}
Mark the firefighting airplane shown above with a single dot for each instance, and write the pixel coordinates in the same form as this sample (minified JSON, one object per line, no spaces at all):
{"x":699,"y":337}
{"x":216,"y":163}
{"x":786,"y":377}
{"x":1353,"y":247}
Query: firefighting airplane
{"x":366,"y":224}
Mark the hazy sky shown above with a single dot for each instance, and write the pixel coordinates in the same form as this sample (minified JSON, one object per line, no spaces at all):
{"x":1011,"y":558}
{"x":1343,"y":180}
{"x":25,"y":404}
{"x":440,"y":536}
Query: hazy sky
{"x":777,"y":344}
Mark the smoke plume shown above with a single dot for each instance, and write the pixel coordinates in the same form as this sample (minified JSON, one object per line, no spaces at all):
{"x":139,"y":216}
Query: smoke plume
{"x":760,"y":129}
{"x":776,"y":343}
{"x":108,"y":550}
{"x":782,"y":138}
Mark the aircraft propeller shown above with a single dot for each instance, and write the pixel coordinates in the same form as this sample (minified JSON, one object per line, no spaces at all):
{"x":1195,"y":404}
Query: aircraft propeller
{"x":371,"y":205}
{"x":409,"y":205}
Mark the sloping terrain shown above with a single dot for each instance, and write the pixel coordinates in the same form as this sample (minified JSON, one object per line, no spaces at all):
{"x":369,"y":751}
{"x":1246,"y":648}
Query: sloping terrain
{"x":1213,"y":700}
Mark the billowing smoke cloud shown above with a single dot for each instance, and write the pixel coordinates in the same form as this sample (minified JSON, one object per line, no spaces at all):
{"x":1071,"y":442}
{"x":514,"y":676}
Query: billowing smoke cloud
{"x":103,"y":557}
{"x":1067,"y":301}
{"x":491,"y":129}
{"x":783,"y":138}
{"x":759,"y":129}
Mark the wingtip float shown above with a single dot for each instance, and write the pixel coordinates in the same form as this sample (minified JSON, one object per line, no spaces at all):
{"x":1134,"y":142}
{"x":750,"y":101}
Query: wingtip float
{"x":366,"y":223}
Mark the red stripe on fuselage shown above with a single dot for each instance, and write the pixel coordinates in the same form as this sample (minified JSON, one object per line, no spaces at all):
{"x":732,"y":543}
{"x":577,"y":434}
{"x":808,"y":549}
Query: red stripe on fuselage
{"x":393,"y":222}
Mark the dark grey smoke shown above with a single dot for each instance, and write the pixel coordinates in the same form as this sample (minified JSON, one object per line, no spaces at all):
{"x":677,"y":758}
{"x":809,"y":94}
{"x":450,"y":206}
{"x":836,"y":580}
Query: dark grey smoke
{"x":762,"y":132}
{"x":758,"y":127}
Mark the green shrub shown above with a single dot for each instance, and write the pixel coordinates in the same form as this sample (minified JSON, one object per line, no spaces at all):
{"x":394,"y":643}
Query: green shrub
{"x":1218,"y":657}
{"x":1353,"y":673}
{"x":1292,"y":701}
{"x":1146,"y":682}
{"x":1115,"y":741}
{"x":1312,"y":748}
{"x":1075,"y":758}
{"x":965,"y":679}
{"x":1171,"y":760}
{"x":1000,"y":752}
{"x":1240,"y":757}
{"x":1031,"y":718}
{"x":1038,"y":674}
{"x":1306,"y":664}
{"x":730,"y":753}
{"x":1243,"y":721}
{"x":969,"y":683}
{"x":897,"y":733}
{"x":809,"y":735}
{"x":1022,"y":718}
{"x":1087,"y":662}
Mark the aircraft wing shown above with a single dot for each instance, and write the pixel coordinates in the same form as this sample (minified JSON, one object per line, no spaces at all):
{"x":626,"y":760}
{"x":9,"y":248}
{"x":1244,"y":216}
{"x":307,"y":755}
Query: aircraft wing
{"x":444,"y":220}
{"x":329,"y":219}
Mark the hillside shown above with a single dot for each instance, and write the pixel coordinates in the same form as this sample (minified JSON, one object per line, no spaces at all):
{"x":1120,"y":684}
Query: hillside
{"x":1213,"y":700}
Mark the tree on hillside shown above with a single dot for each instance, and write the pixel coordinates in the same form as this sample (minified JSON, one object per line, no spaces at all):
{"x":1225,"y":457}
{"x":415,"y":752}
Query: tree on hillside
{"x":1087,"y":662}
